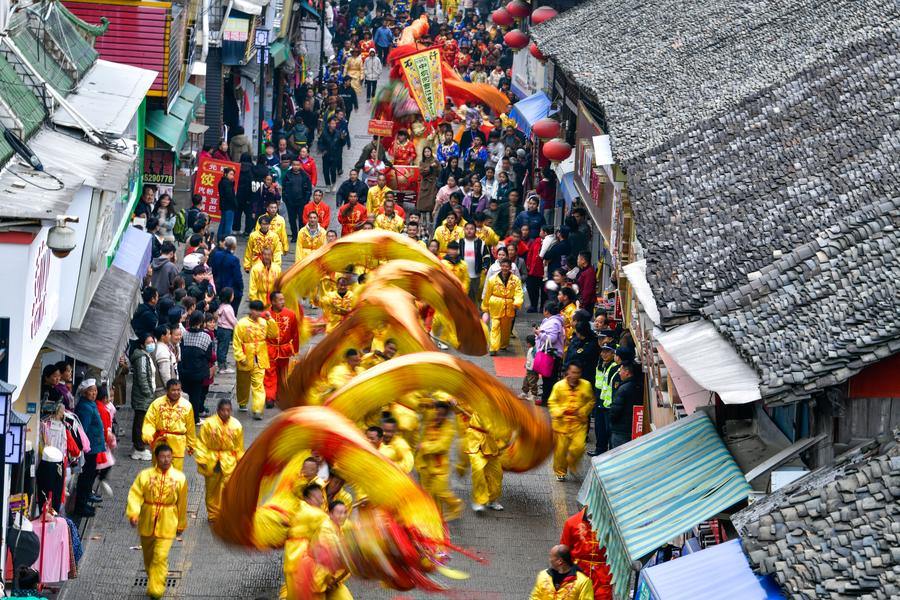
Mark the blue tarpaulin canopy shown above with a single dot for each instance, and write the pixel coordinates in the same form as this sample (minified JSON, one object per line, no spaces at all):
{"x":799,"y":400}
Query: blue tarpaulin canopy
{"x":529,"y":111}
{"x":654,"y":488}
{"x":715,"y":572}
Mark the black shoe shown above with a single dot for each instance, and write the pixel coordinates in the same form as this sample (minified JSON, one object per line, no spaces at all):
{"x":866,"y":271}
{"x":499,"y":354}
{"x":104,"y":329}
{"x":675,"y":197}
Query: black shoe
{"x":85,"y":511}
{"x":293,"y":239}
{"x":594,"y":453}
{"x":270,"y":404}
{"x":95,"y":498}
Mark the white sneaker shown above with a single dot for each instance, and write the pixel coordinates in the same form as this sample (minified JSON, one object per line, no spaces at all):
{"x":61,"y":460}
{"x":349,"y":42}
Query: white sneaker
{"x":137,"y":455}
{"x":104,"y":487}
{"x":226,"y":371}
{"x":242,"y":409}
{"x":147,"y":455}
{"x":495,"y":505}
{"x":478,"y":508}
{"x":257,"y":416}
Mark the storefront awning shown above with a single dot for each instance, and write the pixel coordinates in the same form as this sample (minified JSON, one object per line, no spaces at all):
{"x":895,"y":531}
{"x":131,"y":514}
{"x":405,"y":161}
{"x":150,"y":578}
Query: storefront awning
{"x":134,"y":252}
{"x":711,"y":361}
{"x":636,"y":273}
{"x":530,"y":110}
{"x":654,"y":488}
{"x":194,"y":95}
{"x":105,"y":328}
{"x":172,"y":128}
{"x":304,"y":6}
{"x":108,"y":97}
{"x":101,"y":168}
{"x":251,"y":7}
{"x":706,"y":574}
{"x":281,"y":53}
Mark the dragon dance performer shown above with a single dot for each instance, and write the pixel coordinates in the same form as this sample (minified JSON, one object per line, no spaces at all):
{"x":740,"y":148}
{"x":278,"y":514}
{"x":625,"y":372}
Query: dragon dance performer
{"x":251,"y":356}
{"x":311,"y":237}
{"x":277,"y":223}
{"x":570,"y":404}
{"x":457,"y":266}
{"x":587,"y":554}
{"x":282,"y":347}
{"x":220,"y":445}
{"x":394,"y":446}
{"x":485,"y":452}
{"x":502,"y":298}
{"x":338,"y":376}
{"x":433,"y":461}
{"x":157,"y":506}
{"x":263,"y":276}
{"x":262,"y":237}
{"x":562,"y":579}
{"x":337,"y":304}
{"x":170,"y":420}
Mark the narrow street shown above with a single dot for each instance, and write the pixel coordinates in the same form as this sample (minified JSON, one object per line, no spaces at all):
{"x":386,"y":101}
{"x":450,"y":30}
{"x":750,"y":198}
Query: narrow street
{"x":513,"y":542}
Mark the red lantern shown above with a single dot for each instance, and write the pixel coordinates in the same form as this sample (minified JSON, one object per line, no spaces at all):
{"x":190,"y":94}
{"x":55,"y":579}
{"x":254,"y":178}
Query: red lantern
{"x":502,"y":18}
{"x":557,"y":150}
{"x":515,"y":39}
{"x":518,"y":9}
{"x":536,"y":53}
{"x":542,"y":14}
{"x":546,"y":128}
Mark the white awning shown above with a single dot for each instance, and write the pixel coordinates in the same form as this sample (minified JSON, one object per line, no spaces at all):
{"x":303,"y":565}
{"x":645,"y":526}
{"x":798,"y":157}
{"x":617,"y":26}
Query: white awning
{"x":251,"y":7}
{"x":711,"y":361}
{"x":108,"y":97}
{"x":98,"y":167}
{"x":636,"y":273}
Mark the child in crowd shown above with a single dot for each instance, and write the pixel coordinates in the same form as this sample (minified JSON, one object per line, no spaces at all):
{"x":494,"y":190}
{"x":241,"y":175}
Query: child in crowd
{"x":225,"y":322}
{"x":530,"y":383}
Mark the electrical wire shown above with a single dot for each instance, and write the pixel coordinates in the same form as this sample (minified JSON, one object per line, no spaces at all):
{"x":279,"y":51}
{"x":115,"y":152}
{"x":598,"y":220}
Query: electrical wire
{"x":40,"y":187}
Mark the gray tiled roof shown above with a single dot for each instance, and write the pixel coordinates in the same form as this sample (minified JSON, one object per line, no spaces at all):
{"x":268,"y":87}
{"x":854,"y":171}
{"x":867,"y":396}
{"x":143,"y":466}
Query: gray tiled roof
{"x":779,"y":221}
{"x":658,"y":68}
{"x":835,"y":533}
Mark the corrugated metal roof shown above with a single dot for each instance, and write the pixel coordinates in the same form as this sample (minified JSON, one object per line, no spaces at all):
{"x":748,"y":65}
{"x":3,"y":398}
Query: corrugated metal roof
{"x":105,"y":328}
{"x":652,"y":489}
{"x":100,"y":168}
{"x":108,"y":96}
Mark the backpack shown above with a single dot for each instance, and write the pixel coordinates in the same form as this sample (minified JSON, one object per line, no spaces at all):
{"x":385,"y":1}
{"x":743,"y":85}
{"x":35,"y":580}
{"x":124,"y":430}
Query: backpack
{"x":180,"y":229}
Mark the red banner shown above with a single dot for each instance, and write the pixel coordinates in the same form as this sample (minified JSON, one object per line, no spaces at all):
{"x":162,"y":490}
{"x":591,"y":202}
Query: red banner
{"x":381,"y":128}
{"x":637,"y":421}
{"x":206,"y":183}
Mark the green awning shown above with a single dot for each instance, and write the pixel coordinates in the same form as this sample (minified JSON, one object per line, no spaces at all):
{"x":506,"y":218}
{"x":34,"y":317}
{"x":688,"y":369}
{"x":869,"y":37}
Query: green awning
{"x":182,"y":109}
{"x":654,"y":488}
{"x":194,"y":95}
{"x":168,"y":129}
{"x":281,"y":53}
{"x":309,"y":9}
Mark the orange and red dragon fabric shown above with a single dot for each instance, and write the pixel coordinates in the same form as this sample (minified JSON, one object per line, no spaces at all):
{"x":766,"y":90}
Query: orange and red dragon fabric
{"x":502,"y":413}
{"x":360,"y":247}
{"x":455,"y":88}
{"x":403,"y":560}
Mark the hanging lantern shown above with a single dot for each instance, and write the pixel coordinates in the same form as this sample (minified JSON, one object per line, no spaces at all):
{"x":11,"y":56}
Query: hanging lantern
{"x":542,"y":14}
{"x":557,"y":150}
{"x":502,"y":17}
{"x":515,"y":39}
{"x":536,"y":53}
{"x":518,"y":9}
{"x":546,"y":128}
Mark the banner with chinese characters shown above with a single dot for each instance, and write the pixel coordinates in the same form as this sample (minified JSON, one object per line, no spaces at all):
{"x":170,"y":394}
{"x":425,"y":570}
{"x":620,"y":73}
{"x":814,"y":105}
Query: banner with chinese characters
{"x":209,"y":172}
{"x":425,"y":82}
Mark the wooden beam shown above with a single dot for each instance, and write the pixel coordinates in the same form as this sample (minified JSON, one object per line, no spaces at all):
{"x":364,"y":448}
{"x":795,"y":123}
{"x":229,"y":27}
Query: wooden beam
{"x":783,"y":456}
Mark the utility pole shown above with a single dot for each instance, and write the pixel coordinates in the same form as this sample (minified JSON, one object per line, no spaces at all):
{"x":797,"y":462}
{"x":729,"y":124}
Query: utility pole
{"x":322,"y":42}
{"x":262,"y":57}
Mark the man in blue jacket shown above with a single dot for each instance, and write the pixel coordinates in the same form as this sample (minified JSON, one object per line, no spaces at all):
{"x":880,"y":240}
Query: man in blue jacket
{"x":531,"y":216}
{"x":89,"y":415}
{"x":228,"y":272}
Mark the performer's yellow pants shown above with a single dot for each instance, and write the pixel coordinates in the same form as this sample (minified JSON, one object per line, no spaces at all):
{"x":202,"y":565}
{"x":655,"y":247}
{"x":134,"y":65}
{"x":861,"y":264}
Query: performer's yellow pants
{"x":214,"y":485}
{"x":339,"y":593}
{"x":487,"y":478}
{"x":156,"y":563}
{"x":250,"y":385}
{"x":441,"y":329}
{"x":500,"y":328}
{"x":568,"y":448}
{"x":437,"y":483}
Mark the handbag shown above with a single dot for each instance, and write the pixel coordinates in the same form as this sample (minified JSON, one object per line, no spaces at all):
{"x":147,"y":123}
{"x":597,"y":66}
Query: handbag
{"x":543,"y":362}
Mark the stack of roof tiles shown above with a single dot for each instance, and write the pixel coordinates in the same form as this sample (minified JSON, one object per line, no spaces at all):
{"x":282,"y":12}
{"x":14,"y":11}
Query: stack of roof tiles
{"x":760,"y":143}
{"x":835,"y":533}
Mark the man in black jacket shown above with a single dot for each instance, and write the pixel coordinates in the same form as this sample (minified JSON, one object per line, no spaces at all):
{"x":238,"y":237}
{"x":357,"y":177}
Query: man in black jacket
{"x":331,"y":144}
{"x":227,"y":203}
{"x":628,"y":395}
{"x":145,"y":319}
{"x":477,"y":257}
{"x":354,"y":184}
{"x":196,"y":358}
{"x":296,"y":192}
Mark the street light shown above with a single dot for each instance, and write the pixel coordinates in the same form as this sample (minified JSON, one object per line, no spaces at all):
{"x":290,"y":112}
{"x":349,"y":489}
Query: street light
{"x":15,"y":439}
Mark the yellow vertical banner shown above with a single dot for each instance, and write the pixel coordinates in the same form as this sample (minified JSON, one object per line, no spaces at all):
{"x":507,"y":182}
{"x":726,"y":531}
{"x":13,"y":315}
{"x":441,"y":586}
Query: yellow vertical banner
{"x":425,"y":82}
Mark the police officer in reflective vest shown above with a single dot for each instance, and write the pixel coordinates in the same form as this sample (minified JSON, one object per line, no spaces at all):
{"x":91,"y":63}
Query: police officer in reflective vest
{"x":607,"y":378}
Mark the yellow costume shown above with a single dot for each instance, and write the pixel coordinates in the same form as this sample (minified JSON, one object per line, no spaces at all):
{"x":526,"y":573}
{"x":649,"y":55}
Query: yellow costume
{"x":336,"y":307}
{"x":251,"y":356}
{"x":484,"y":455}
{"x":439,"y":324}
{"x":567,"y":313}
{"x":262,"y":281}
{"x":311,"y":527}
{"x":372,"y":359}
{"x":220,"y":446}
{"x":488,"y":236}
{"x":501,"y":301}
{"x":308,"y":242}
{"x":353,"y":69}
{"x":569,"y":409}
{"x":375,"y":199}
{"x":399,"y":453}
{"x":337,"y":378}
{"x":433,"y":466}
{"x":172,"y":423}
{"x":407,"y":422}
{"x":571,"y":588}
{"x":445,"y":235}
{"x":257,"y":242}
{"x":279,"y":227}
{"x":394,"y":223}
{"x":158,"y":500}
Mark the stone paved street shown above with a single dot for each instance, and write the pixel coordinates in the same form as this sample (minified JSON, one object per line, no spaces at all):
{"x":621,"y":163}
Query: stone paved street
{"x":514,"y":542}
